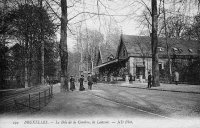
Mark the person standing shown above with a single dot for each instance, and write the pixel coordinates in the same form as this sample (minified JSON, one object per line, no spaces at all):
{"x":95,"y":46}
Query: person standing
{"x":81,"y":83}
{"x":90,"y":81}
{"x":149,"y":80}
{"x":72,"y":84}
{"x":176,"y":77}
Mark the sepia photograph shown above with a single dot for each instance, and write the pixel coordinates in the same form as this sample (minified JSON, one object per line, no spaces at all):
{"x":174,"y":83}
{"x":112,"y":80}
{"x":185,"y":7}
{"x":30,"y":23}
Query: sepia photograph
{"x":99,"y":63}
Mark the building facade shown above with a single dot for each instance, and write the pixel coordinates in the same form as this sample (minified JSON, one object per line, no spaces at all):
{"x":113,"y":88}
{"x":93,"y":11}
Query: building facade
{"x":133,"y":58}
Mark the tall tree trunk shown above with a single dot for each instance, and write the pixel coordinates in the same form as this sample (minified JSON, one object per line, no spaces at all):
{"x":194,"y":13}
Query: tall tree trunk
{"x":92,"y":63}
{"x":154,"y":43}
{"x":81,"y":61}
{"x":3,"y":41}
{"x":26,"y":64}
{"x":3,"y":15}
{"x":42,"y":47}
{"x":63,"y":46}
{"x":167,"y":44}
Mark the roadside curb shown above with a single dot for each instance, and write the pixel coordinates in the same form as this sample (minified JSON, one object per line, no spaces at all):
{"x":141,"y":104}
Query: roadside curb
{"x":156,"y":89}
{"x":160,"y":89}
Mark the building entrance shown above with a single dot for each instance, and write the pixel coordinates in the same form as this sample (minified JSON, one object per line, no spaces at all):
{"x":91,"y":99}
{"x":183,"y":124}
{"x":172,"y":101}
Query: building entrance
{"x":140,"y":71}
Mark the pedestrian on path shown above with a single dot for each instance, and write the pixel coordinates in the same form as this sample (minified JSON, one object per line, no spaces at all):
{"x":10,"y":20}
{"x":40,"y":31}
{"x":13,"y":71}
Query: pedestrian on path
{"x":176,"y":77}
{"x":72,"y":84}
{"x":90,"y":82}
{"x":149,"y":80}
{"x":81,"y":83}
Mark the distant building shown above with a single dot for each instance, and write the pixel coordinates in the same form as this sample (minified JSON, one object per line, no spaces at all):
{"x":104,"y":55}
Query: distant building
{"x":133,"y":57}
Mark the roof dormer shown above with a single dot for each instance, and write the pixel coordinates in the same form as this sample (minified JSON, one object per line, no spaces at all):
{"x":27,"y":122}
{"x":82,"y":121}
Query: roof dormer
{"x":190,"y":50}
{"x":175,"y":49}
{"x":161,"y":49}
{"x":111,"y":57}
{"x":180,"y":50}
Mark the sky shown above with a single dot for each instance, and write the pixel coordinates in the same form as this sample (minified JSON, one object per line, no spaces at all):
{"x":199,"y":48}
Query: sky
{"x":117,"y":15}
{"x":121,"y":14}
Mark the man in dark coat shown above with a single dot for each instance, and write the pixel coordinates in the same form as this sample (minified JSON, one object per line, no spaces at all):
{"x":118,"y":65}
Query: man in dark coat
{"x":90,"y":82}
{"x":149,"y":80}
{"x":81,"y":83}
{"x":72,"y":84}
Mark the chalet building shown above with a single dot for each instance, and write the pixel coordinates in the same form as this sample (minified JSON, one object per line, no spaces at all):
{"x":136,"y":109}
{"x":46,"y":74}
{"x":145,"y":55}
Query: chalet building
{"x":133,"y":57}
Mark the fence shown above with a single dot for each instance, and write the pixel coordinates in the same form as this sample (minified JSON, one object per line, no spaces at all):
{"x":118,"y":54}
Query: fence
{"x":34,"y":101}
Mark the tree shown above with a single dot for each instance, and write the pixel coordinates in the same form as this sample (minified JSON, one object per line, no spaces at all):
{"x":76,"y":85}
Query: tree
{"x":154,"y":43}
{"x":196,"y":28}
{"x":28,"y":31}
{"x":167,"y":44}
{"x":63,"y":45}
{"x":192,"y":32}
{"x":3,"y":64}
{"x":88,"y":42}
{"x":73,"y":12}
{"x":42,"y":43}
{"x":74,"y":58}
{"x":175,"y":25}
{"x":5,"y":29}
{"x":51,"y":58}
{"x":113,"y":37}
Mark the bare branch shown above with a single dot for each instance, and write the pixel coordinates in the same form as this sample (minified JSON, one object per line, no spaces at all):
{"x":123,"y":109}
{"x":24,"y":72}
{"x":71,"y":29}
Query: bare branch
{"x":84,"y":19}
{"x":76,"y":1}
{"x":159,"y":11}
{"x":56,"y":2}
{"x":70,"y":30}
{"x":161,"y":30}
{"x":142,"y":2}
{"x":53,"y":10}
{"x":147,"y":19}
{"x":98,"y":14}
{"x":94,"y":13}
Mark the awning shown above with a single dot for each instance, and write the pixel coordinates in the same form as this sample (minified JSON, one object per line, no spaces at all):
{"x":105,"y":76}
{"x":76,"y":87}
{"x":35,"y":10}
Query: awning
{"x":104,"y":64}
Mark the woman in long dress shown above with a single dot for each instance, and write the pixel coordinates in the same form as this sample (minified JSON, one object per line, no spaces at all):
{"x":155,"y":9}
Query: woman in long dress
{"x":72,"y":84}
{"x":81,"y":83}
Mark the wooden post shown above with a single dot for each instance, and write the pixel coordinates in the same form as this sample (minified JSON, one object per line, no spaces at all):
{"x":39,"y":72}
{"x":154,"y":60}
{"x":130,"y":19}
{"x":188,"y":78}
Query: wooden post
{"x":52,"y":91}
{"x":39,"y":100}
{"x":45,"y":98}
{"x":29,"y":101}
{"x":49,"y":92}
{"x":16,"y":107}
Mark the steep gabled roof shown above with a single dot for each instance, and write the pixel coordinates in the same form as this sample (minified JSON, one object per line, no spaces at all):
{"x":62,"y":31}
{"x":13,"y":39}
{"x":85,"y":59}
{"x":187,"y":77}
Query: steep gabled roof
{"x":141,"y":45}
{"x":106,"y":51}
{"x":136,"y":45}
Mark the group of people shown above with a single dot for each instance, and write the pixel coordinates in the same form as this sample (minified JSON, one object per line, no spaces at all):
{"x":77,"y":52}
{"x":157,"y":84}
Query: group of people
{"x":176,"y":79}
{"x":81,"y":81}
{"x":90,"y":81}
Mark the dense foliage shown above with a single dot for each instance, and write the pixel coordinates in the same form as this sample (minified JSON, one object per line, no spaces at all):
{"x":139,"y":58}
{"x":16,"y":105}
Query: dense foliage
{"x":28,"y":31}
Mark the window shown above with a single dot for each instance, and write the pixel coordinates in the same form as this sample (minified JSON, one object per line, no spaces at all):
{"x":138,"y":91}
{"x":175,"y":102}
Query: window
{"x":198,"y":51}
{"x":108,"y":59}
{"x":180,"y":50}
{"x":190,"y":50}
{"x":161,"y":66}
{"x":175,"y":50}
{"x":111,"y":57}
{"x":161,"y":49}
{"x":124,"y":52}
